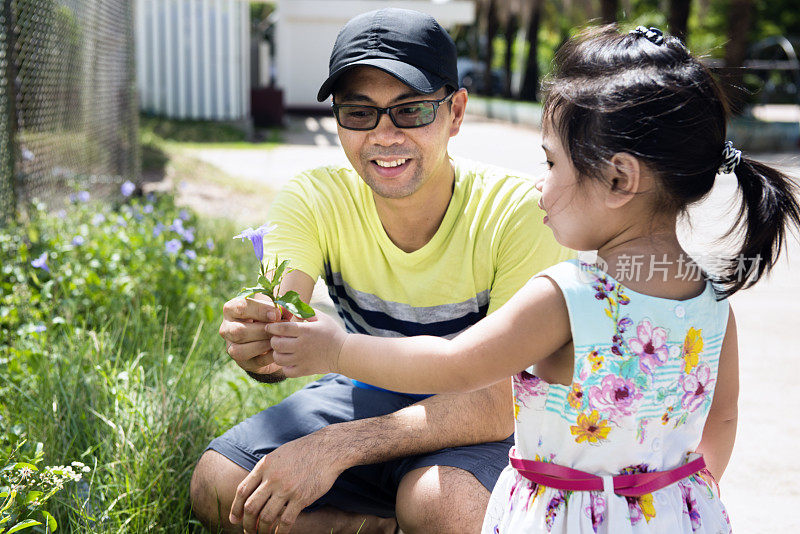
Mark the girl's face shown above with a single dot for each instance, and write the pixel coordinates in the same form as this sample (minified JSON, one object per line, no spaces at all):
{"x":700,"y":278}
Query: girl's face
{"x":575,"y":212}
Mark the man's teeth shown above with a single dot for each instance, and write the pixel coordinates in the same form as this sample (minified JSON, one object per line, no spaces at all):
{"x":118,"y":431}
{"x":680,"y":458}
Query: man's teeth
{"x":394,"y":163}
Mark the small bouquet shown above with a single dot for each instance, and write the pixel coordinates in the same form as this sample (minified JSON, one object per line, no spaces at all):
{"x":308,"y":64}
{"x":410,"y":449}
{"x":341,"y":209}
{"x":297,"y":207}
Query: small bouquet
{"x":290,"y":300}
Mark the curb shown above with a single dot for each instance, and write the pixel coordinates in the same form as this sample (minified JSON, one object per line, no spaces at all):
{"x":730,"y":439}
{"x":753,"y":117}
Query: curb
{"x":747,"y":133}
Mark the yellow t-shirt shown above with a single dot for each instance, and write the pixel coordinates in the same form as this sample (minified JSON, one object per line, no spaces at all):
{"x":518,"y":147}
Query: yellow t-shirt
{"x":490,"y":242}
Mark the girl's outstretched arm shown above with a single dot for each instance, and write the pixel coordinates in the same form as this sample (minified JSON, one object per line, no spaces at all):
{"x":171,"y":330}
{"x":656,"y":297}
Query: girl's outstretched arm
{"x":719,"y":433}
{"x":532,"y":325}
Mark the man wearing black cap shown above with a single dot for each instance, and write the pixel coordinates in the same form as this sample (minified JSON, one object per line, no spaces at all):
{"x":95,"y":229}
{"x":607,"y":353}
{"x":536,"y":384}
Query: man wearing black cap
{"x":409,"y":241}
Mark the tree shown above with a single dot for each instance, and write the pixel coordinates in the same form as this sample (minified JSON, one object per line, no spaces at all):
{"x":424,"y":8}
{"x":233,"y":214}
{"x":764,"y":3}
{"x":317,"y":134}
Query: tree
{"x":530,"y":79}
{"x":492,"y":25}
{"x":740,"y":22}
{"x":609,"y":9}
{"x":678,"y":18}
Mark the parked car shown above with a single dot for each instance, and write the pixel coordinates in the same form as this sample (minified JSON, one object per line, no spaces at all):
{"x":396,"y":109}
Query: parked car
{"x":471,"y":77}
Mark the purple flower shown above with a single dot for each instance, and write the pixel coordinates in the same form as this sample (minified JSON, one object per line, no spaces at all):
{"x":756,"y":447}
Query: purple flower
{"x":650,"y":345}
{"x":690,"y":506}
{"x":99,"y":218}
{"x":177,"y":226}
{"x":210,"y":244}
{"x":78,"y":240}
{"x":148,"y":208}
{"x":83,"y":196}
{"x":157,"y":229}
{"x":624,"y":324}
{"x":257,"y":238}
{"x":596,"y":510}
{"x":39,"y":328}
{"x":41,"y":262}
{"x":696,"y":386}
{"x":173,"y":246}
{"x":182,"y":265}
{"x":616,"y":396}
{"x":188,"y":235}
{"x":121,"y":221}
{"x":184,"y":215}
{"x":191,"y":254}
{"x":128,"y":188}
{"x":603,"y":287}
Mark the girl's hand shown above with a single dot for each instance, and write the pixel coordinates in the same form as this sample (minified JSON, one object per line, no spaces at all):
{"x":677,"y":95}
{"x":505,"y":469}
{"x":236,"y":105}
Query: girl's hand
{"x":307,"y":348}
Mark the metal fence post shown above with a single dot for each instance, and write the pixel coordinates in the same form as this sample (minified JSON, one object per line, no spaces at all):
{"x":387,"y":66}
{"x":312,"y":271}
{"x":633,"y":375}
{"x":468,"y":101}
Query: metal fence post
{"x":8,"y":115}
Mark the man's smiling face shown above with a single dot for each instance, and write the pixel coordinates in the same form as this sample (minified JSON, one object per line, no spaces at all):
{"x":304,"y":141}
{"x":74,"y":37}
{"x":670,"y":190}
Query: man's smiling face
{"x":396,"y":162}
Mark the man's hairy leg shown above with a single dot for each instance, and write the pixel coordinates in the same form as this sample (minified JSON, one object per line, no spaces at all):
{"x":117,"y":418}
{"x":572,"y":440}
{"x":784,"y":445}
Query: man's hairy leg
{"x":441,"y":500}
{"x":214,"y":484}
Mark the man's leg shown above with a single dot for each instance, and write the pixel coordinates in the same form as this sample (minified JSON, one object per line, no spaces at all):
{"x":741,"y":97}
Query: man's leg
{"x":441,"y":500}
{"x":214,"y":484}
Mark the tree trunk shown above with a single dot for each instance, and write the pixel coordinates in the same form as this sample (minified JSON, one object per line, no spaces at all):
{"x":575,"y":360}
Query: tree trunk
{"x":492,"y":26}
{"x":609,"y":10}
{"x":740,"y":18}
{"x":530,"y":81}
{"x":511,"y":36}
{"x":678,"y":19}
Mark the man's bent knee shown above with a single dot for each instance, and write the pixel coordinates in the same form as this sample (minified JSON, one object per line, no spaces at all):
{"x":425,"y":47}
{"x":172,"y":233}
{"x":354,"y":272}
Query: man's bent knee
{"x":441,"y":500}
{"x":212,"y":489}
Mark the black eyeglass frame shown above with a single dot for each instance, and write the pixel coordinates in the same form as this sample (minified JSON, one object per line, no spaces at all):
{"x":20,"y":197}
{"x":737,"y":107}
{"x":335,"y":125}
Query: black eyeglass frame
{"x":436,"y":103}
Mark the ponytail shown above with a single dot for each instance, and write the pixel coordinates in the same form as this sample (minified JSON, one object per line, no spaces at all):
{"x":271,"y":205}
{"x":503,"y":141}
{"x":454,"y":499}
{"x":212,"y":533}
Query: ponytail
{"x":769,"y":205}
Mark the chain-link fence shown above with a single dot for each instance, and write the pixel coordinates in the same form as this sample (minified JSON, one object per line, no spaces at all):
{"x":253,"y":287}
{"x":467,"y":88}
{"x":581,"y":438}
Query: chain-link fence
{"x":68,"y":115}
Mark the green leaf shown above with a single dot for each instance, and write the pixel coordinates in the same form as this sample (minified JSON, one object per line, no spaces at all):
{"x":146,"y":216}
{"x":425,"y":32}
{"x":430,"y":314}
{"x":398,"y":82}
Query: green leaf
{"x":22,"y":526}
{"x":250,"y":291}
{"x":292,"y":302}
{"x":276,"y":276}
{"x":52,"y":525}
{"x":32,"y":496}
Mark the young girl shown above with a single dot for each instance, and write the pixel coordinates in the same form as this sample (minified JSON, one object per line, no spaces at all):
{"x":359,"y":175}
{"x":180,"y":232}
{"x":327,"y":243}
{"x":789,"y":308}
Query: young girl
{"x":625,"y":386}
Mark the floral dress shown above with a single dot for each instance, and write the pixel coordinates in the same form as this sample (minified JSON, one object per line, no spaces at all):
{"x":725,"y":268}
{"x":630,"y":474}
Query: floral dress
{"x":645,"y":369}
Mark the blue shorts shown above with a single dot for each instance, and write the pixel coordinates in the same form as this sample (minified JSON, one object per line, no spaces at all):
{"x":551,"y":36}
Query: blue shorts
{"x":367,"y":489}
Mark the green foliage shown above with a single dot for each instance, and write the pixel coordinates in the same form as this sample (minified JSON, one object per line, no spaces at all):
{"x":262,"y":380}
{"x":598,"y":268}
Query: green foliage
{"x":270,"y":286}
{"x":111,"y":357}
{"x":25,"y":487}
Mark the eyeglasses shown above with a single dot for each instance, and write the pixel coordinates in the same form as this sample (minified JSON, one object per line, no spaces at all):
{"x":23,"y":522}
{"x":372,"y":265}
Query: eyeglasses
{"x":407,"y":115}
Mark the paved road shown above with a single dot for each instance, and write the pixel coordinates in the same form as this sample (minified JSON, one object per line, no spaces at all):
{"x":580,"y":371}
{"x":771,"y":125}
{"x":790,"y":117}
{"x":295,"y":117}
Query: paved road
{"x":762,"y":485}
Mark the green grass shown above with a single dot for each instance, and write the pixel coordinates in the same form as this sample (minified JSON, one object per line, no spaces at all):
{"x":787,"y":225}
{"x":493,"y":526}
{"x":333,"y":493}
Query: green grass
{"x":202,"y":134}
{"x":129,"y":375}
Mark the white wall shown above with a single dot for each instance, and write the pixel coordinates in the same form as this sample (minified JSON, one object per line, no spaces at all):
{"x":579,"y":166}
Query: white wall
{"x":307,"y":29}
{"x":193,"y":58}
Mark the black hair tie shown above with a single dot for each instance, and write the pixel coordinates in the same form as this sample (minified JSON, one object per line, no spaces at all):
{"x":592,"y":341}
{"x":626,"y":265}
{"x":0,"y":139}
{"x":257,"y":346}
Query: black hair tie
{"x":731,"y":157}
{"x":653,"y":34}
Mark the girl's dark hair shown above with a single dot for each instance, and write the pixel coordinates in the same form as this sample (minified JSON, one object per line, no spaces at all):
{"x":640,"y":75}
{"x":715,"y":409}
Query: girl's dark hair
{"x":612,"y":92}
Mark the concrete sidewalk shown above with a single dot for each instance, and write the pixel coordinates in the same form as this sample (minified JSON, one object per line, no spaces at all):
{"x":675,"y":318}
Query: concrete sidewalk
{"x":761,"y":487}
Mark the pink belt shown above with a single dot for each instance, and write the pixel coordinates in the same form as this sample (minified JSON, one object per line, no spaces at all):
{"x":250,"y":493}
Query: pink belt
{"x":633,"y":485}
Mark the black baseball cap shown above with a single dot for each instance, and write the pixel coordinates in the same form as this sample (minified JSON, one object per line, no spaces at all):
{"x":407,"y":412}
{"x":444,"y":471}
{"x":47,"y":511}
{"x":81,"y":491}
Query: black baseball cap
{"x":409,"y":45}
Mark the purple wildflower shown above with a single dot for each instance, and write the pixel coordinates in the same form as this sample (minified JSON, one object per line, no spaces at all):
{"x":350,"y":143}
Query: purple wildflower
{"x":256,"y":237}
{"x":83,"y":196}
{"x":121,"y":221}
{"x":188,"y":235}
{"x":191,"y":254}
{"x":128,"y":188}
{"x":39,"y":328}
{"x":99,"y":218}
{"x":78,"y":240}
{"x":157,"y":229}
{"x":210,"y":244}
{"x":41,"y":262}
{"x":184,"y":215}
{"x":148,"y":208}
{"x":173,"y":246}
